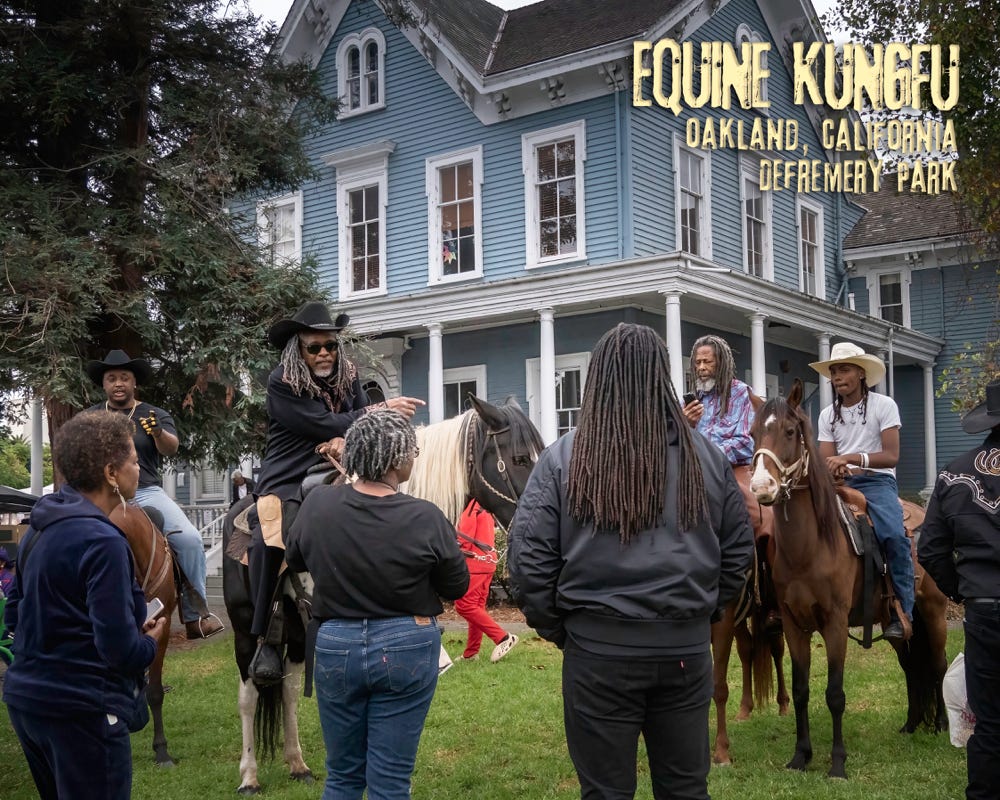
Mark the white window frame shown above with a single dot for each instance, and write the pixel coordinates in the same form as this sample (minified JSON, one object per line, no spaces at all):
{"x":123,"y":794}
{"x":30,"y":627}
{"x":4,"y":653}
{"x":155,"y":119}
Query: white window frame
{"x":772,"y":387}
{"x":750,"y":171}
{"x":529,"y":142}
{"x":358,"y":167}
{"x":532,"y":379}
{"x":705,"y":207}
{"x":805,"y":204}
{"x":361,"y":41}
{"x":874,"y":294}
{"x":435,"y":269}
{"x":197,"y":495}
{"x":473,"y":372}
{"x":264,"y":226}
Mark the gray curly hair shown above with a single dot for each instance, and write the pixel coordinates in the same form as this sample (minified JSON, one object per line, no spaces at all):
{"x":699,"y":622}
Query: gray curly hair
{"x":377,"y":442}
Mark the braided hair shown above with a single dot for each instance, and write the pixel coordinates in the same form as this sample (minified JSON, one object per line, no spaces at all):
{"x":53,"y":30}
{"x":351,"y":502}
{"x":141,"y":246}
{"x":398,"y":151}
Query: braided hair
{"x":725,"y":367}
{"x":618,"y":469}
{"x":838,"y":404}
{"x":296,"y":373}
{"x":377,"y":442}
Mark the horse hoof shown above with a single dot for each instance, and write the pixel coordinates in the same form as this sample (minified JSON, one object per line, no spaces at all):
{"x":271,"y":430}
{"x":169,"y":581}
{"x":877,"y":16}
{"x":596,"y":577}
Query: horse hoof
{"x":838,"y":773}
{"x":306,"y":777}
{"x":798,"y":763}
{"x":248,"y":790}
{"x":167,"y":763}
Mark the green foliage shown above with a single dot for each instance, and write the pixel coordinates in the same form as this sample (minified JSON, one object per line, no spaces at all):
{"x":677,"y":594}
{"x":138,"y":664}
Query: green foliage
{"x":495,"y":732}
{"x":15,"y":463}
{"x":129,"y":132}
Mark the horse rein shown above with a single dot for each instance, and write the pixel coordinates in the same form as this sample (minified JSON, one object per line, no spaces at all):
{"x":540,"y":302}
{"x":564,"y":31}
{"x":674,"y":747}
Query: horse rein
{"x":790,"y":476}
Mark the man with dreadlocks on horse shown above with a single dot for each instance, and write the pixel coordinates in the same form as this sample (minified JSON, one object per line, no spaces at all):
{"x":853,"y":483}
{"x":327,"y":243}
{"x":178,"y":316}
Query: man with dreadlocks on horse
{"x":630,"y":535}
{"x":723,"y":410}
{"x":313,"y":396}
{"x":859,"y":438}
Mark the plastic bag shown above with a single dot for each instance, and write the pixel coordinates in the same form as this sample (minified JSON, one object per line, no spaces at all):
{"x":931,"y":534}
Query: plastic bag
{"x":961,"y":720}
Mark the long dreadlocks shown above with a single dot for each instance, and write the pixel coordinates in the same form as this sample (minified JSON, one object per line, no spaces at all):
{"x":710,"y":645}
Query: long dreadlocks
{"x":725,"y":367}
{"x":297,"y":375}
{"x":618,"y":469}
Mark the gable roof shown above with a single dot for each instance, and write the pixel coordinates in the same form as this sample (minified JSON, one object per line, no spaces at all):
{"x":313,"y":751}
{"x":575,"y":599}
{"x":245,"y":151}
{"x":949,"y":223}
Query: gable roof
{"x":493,"y":40}
{"x":893,"y":217}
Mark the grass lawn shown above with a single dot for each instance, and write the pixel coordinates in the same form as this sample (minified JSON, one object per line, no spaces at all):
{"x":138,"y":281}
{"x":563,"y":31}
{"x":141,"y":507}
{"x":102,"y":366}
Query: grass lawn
{"x":495,"y":732}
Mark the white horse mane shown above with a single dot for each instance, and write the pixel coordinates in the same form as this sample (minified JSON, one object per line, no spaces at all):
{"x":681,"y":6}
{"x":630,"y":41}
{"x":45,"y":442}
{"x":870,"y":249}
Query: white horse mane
{"x":439,"y":471}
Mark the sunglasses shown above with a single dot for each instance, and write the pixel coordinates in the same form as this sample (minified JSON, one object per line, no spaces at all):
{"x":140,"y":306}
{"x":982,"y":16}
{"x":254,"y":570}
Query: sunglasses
{"x":316,"y":349}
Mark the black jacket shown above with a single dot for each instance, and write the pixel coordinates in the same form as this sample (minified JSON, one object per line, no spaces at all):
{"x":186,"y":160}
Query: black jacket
{"x":959,"y":543}
{"x":658,"y":592}
{"x":296,"y":424}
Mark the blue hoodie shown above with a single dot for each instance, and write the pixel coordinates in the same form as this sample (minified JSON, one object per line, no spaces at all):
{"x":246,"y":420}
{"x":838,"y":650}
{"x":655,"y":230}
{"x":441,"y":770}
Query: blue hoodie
{"x":76,"y":612}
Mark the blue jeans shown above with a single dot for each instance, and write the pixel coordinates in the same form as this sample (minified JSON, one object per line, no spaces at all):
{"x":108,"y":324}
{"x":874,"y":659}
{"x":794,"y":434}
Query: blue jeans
{"x":982,"y":682}
{"x":375,"y":679}
{"x":81,"y":756}
{"x":184,"y":540}
{"x":886,"y":514}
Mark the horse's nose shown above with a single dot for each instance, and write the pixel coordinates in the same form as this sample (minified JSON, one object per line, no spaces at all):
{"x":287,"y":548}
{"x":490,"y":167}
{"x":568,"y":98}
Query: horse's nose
{"x":763,"y":485}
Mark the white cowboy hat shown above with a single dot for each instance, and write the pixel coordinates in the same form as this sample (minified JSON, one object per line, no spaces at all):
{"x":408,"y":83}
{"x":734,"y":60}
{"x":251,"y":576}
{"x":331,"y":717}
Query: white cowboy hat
{"x":848,"y":353}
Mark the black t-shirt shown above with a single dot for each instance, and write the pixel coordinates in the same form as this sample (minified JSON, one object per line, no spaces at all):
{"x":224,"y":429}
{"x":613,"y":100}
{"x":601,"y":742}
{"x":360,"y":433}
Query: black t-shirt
{"x":149,"y":456}
{"x":375,"y":557}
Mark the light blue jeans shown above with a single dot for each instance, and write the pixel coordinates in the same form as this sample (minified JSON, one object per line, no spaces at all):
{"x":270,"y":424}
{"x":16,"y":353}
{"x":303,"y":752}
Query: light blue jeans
{"x":375,"y":679}
{"x":886,"y":514}
{"x":184,"y":540}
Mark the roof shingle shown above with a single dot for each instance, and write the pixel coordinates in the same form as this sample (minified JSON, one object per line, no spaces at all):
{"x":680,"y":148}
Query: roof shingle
{"x":895,"y":217}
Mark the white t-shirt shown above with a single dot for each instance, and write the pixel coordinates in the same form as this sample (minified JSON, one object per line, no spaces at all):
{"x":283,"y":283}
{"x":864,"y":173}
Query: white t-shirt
{"x":856,"y":436}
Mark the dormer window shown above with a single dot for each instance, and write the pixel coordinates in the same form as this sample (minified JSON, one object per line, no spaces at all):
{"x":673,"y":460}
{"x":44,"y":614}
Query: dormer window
{"x":361,"y":72}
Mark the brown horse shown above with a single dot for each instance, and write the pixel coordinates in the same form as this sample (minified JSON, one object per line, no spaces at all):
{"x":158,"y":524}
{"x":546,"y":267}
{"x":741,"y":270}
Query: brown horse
{"x":820,"y":582}
{"x":743,"y":622}
{"x":154,"y":570}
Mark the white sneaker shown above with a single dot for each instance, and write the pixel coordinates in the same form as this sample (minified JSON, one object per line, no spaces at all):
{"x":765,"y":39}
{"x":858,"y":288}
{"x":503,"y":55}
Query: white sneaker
{"x":505,"y":645}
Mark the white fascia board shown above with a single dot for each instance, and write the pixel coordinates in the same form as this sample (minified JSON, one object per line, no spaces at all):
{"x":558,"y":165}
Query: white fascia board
{"x":578,"y":287}
{"x":298,"y":41}
{"x":877,"y":251}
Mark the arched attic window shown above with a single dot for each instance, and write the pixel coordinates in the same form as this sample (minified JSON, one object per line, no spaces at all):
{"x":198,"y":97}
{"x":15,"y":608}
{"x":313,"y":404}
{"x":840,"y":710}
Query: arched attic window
{"x":361,"y":72}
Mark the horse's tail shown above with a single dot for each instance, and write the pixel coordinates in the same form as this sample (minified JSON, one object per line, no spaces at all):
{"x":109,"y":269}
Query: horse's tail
{"x":270,"y":706}
{"x":916,"y":657}
{"x":760,"y":658}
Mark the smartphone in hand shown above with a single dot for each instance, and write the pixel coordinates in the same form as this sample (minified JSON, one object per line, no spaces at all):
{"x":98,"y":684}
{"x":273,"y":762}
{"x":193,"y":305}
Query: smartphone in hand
{"x":689,"y":397}
{"x":154,"y":608}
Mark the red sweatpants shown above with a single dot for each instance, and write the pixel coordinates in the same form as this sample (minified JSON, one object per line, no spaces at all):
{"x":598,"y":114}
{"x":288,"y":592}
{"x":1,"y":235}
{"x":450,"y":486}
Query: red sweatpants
{"x":472,"y":607}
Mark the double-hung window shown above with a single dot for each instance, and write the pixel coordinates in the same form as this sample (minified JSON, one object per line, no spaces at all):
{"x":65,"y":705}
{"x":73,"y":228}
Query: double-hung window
{"x":361,"y":72}
{"x":279,"y":220}
{"x":459,"y":383}
{"x":454,"y":211}
{"x":570,"y":377}
{"x":362,"y":199}
{"x":812,"y":278}
{"x":889,"y":296}
{"x":553,"y":161}
{"x":692,"y":181}
{"x":757,"y":253}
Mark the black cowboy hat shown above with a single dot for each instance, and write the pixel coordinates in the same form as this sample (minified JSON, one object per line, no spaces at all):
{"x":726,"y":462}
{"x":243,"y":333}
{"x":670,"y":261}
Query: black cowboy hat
{"x":314,"y":315}
{"x":987,"y":414}
{"x":119,"y":359}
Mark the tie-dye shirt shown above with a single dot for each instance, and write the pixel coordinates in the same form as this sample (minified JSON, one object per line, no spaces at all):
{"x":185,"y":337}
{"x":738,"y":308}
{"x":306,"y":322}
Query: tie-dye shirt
{"x":732,"y":431}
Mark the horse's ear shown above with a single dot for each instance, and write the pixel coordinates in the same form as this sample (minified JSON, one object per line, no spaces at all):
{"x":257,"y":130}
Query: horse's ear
{"x":490,"y":413}
{"x":795,"y":396}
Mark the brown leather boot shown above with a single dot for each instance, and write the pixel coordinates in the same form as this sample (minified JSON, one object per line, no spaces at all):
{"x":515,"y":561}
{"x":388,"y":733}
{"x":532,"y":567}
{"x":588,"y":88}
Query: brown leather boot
{"x":204,"y":627}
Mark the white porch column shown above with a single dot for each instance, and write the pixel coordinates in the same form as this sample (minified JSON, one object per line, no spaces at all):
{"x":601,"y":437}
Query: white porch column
{"x":930,"y":431}
{"x":825,"y":387}
{"x":37,"y":413}
{"x":886,"y":383}
{"x":170,"y":481}
{"x":675,"y":345}
{"x":548,"y":427}
{"x":435,"y":374}
{"x":758,"y":372}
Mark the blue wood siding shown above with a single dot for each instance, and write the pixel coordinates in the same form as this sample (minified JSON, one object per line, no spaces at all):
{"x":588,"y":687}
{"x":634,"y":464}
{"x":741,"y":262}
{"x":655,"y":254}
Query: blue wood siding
{"x":425,"y":117}
{"x":908,"y":391}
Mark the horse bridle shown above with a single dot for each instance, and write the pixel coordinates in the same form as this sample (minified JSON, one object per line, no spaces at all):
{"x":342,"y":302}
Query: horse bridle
{"x":472,"y":467}
{"x":789,"y":476}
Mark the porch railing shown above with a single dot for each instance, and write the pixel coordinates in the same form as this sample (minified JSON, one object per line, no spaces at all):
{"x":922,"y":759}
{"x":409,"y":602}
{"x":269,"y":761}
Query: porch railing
{"x":208,"y":520}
